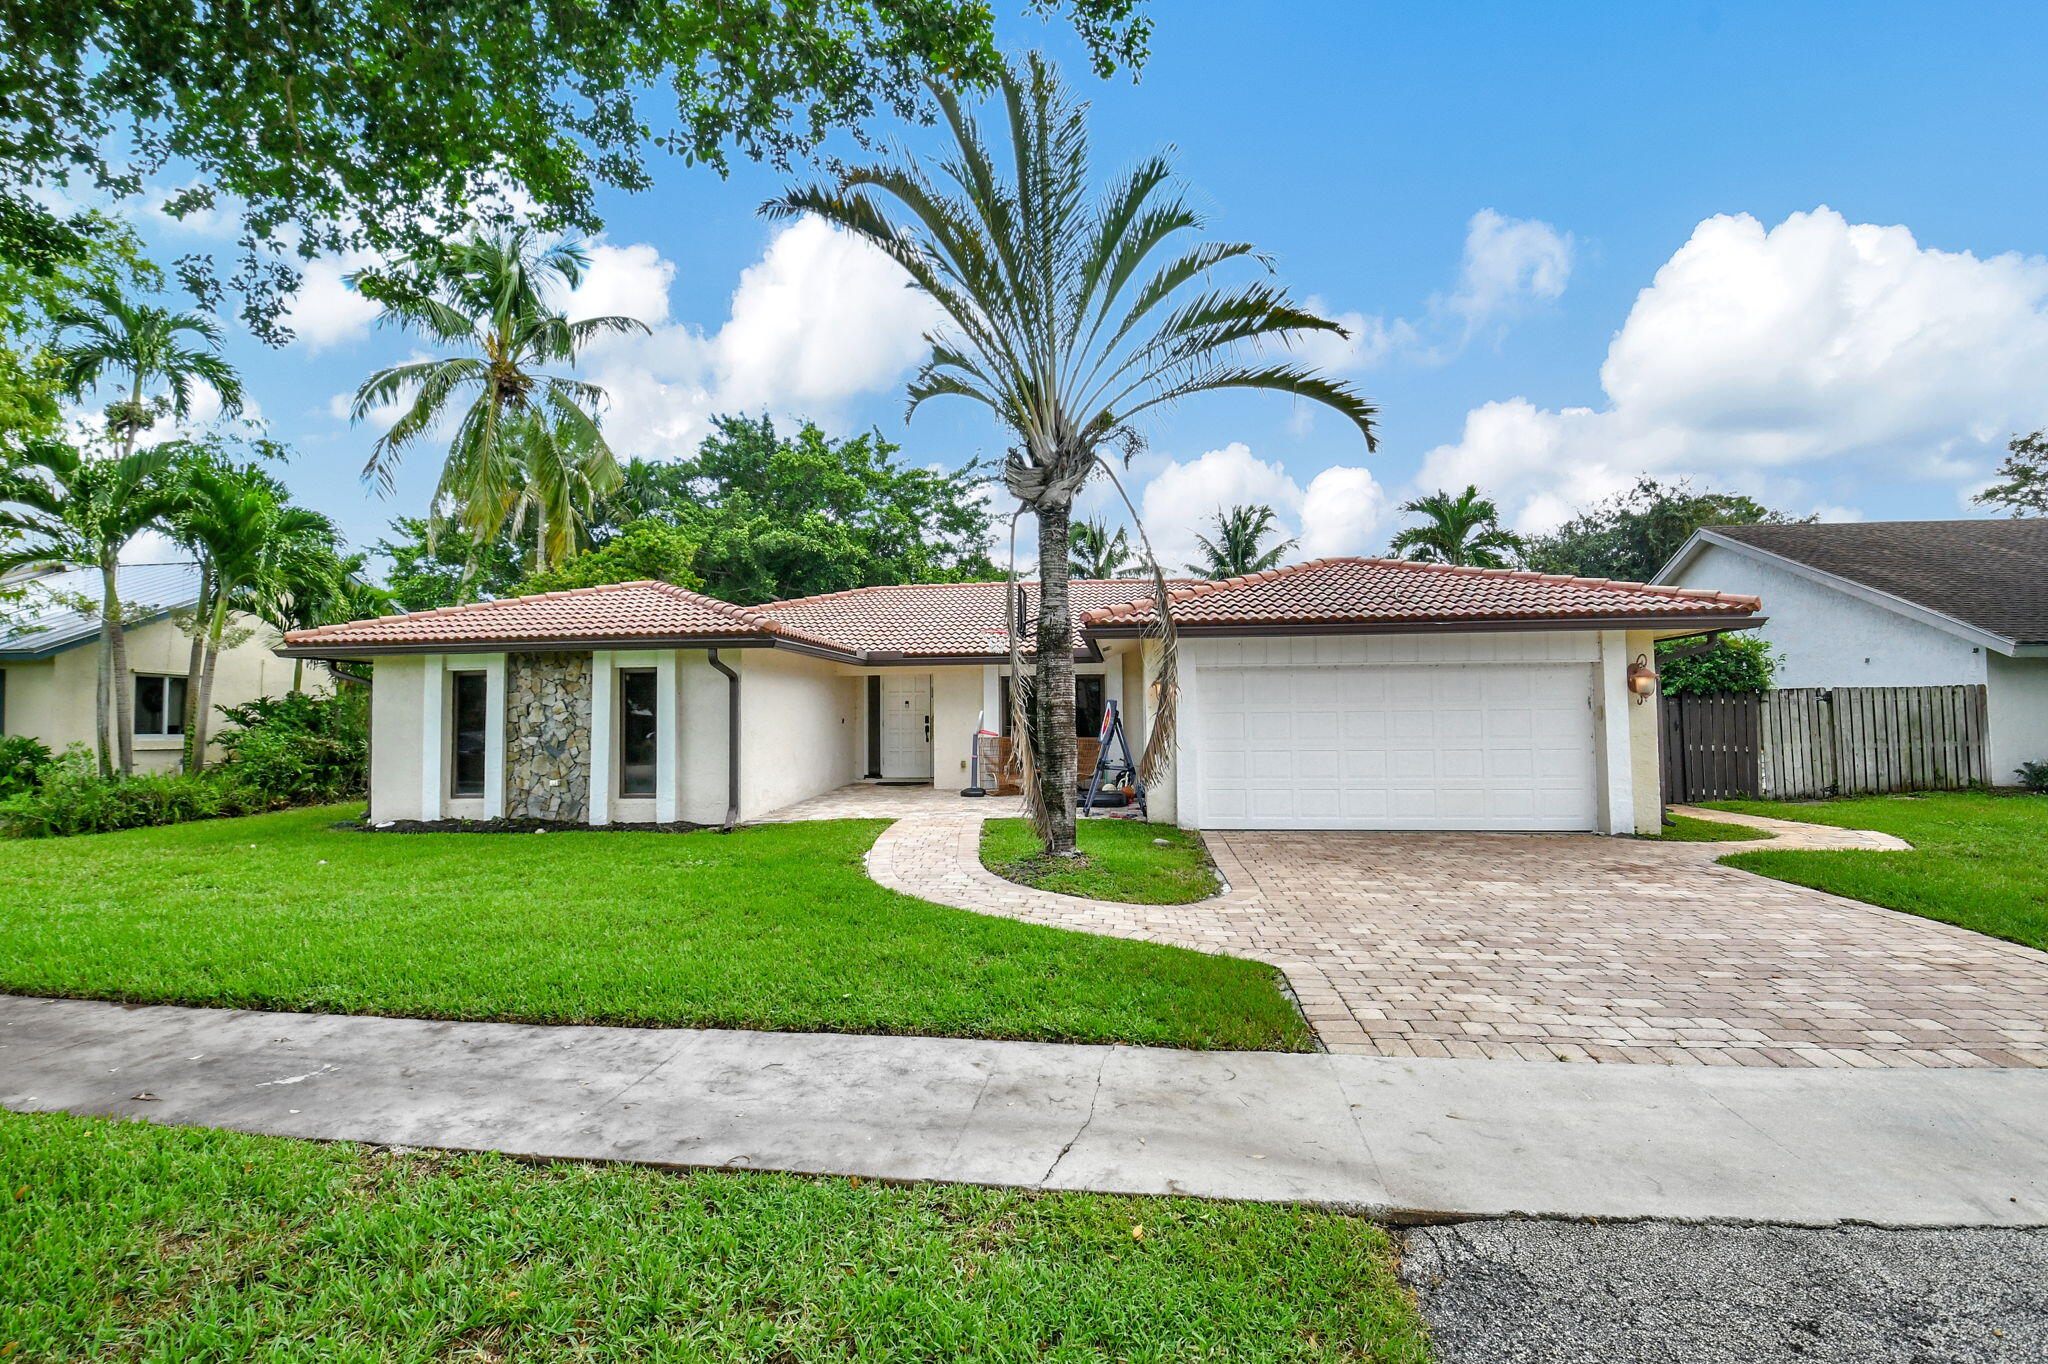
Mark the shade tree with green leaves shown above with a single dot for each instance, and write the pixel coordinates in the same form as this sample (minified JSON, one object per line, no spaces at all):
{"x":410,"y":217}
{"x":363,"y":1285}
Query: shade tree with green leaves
{"x":1247,"y":541}
{"x":384,"y":125}
{"x":2019,"y":487}
{"x":1072,"y":310}
{"x":1463,"y":530}
{"x":1630,"y":536}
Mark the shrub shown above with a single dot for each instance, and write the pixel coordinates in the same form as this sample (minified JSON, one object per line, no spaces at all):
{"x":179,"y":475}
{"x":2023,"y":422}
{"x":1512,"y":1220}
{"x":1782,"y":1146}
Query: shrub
{"x":22,"y":763}
{"x":292,"y":750}
{"x":2033,"y":776}
{"x":1742,"y":663}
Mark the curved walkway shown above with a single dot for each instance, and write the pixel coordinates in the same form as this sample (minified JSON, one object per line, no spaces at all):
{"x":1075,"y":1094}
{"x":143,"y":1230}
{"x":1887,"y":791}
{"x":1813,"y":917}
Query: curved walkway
{"x":1557,"y":947}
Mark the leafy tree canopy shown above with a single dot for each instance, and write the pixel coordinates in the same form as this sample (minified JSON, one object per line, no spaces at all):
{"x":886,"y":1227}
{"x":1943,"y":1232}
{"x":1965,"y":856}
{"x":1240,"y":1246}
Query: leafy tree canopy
{"x":778,"y":516}
{"x":1632,"y":535}
{"x":1739,"y":663}
{"x":387,"y":123}
{"x":647,"y":548}
{"x":427,"y":570}
{"x":2022,"y":486}
{"x":34,"y":297}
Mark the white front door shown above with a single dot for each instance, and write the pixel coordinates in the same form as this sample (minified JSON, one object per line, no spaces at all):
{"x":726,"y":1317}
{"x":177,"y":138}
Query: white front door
{"x":906,"y":726}
{"x":1484,"y":746}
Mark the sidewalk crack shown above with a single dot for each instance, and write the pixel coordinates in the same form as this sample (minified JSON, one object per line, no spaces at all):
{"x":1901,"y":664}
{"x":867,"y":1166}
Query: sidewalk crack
{"x":1094,"y":1098}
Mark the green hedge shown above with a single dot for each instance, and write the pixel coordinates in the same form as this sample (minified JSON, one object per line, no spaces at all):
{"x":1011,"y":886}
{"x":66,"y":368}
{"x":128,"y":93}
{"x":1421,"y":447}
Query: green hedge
{"x":278,"y":752}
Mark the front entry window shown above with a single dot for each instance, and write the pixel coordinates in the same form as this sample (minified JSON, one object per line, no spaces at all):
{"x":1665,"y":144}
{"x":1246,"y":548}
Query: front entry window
{"x":466,"y":759}
{"x":1088,"y":697}
{"x":638,"y":732}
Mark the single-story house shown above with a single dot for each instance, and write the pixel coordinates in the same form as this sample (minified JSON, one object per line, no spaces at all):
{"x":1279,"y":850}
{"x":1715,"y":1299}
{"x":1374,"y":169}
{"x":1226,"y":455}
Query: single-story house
{"x":49,"y":657}
{"x":1900,"y":604}
{"x":1337,"y":694}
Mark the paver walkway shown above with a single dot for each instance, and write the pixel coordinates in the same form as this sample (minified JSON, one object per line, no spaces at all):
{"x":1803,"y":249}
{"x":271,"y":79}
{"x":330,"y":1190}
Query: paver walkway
{"x":1558,"y":947}
{"x":1404,"y":1139}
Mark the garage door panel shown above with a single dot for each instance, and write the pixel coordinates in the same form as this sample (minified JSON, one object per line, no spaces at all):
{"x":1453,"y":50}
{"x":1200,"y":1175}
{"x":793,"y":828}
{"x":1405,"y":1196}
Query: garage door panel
{"x":1397,"y":747}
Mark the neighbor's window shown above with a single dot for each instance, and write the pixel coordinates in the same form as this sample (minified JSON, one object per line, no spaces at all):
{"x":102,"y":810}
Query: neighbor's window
{"x":467,"y":756}
{"x":636,"y":731}
{"x":1087,"y":704}
{"x":159,"y":706}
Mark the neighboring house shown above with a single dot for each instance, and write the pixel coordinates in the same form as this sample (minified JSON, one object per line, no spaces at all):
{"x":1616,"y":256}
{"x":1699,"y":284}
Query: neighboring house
{"x":1901,"y":604}
{"x":49,"y":658}
{"x":1339,"y":694}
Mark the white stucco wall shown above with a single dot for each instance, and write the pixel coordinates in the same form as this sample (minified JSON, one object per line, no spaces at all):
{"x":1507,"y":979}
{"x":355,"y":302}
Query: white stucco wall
{"x":397,"y":733}
{"x":798,"y":729}
{"x":55,"y":699}
{"x":958,"y":696}
{"x":1833,"y":639}
{"x":2016,"y":715}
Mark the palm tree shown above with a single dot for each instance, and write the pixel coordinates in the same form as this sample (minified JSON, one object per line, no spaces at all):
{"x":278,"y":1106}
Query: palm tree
{"x":1235,"y":550}
{"x":1457,"y":530}
{"x":258,"y":545}
{"x":1094,"y":551}
{"x":314,"y":590}
{"x":526,"y":442}
{"x":83,"y":512}
{"x":1071,"y":315}
{"x":139,"y":345}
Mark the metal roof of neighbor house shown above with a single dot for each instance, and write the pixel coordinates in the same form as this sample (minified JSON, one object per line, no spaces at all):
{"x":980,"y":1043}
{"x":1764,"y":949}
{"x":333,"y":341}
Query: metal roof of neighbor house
{"x":1989,"y":574}
{"x":47,"y":619}
{"x":936,"y":620}
{"x":1366,"y":592}
{"x":635,"y":612}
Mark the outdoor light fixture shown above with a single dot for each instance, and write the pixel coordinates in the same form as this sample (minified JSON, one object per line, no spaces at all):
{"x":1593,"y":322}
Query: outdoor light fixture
{"x":1642,"y":678}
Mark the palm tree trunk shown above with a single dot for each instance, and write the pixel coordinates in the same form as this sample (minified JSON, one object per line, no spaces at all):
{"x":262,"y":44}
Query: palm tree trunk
{"x":298,"y":674}
{"x":213,"y":634}
{"x":103,"y":698}
{"x":196,"y":660}
{"x":114,"y":654}
{"x":1054,"y":751}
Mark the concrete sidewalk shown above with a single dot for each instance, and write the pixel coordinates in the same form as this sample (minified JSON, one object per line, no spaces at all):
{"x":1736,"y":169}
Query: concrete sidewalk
{"x":1406,"y":1139}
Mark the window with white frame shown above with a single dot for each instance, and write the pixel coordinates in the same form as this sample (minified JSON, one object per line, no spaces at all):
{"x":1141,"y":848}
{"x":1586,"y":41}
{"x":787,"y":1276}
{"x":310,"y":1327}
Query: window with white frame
{"x":639,"y":731}
{"x":159,"y":706}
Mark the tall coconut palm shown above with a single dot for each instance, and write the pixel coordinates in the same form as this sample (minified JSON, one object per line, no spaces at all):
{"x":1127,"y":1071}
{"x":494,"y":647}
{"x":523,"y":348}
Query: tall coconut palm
{"x":1097,"y":552}
{"x":527,"y":445}
{"x":1239,"y":547}
{"x":1457,"y":530}
{"x":1070,"y":315}
{"x":108,"y":338}
{"x":257,"y":544}
{"x":83,"y":512}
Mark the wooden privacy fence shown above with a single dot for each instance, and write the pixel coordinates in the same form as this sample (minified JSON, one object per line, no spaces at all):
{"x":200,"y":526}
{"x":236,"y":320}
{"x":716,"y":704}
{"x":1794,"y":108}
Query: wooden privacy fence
{"x":1801,"y":742}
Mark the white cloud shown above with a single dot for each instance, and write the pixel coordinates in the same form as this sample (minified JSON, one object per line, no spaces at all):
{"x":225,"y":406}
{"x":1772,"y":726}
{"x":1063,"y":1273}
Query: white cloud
{"x":1339,"y":512}
{"x":1508,"y":263}
{"x":325,"y":311}
{"x":1762,"y":360}
{"x":820,"y":319}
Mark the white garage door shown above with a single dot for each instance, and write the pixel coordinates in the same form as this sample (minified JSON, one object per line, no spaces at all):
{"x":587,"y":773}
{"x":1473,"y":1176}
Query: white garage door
{"x":1504,"y":746}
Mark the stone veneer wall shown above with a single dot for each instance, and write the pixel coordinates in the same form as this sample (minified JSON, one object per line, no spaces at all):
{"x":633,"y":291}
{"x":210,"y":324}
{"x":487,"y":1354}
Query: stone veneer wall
{"x":547,"y":736}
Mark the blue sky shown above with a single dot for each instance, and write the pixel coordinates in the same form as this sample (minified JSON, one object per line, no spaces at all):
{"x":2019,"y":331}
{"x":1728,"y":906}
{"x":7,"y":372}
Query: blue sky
{"x":1795,"y":250}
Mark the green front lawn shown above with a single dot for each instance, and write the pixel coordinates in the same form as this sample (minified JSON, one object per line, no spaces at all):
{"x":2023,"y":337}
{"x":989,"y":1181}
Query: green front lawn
{"x":1121,"y":859}
{"x":179,"y":1245}
{"x":773,"y":927}
{"x":1687,"y":829}
{"x":1979,"y":860}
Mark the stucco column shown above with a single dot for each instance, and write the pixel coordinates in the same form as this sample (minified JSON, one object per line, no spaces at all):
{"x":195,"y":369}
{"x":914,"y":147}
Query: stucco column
{"x":433,"y":739}
{"x":1617,"y":804}
{"x":604,"y":736}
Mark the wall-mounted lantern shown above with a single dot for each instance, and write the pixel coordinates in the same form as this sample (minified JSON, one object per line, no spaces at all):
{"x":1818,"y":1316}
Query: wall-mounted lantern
{"x":1642,"y":678}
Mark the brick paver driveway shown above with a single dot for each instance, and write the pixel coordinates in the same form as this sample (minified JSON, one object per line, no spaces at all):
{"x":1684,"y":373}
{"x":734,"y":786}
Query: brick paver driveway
{"x":1553,"y":946}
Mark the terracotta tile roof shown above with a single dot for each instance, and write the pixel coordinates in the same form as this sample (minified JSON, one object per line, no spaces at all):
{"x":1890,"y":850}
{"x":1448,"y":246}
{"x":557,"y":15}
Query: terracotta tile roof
{"x":935,"y":619}
{"x":1363,"y":591}
{"x":617,"y":611}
